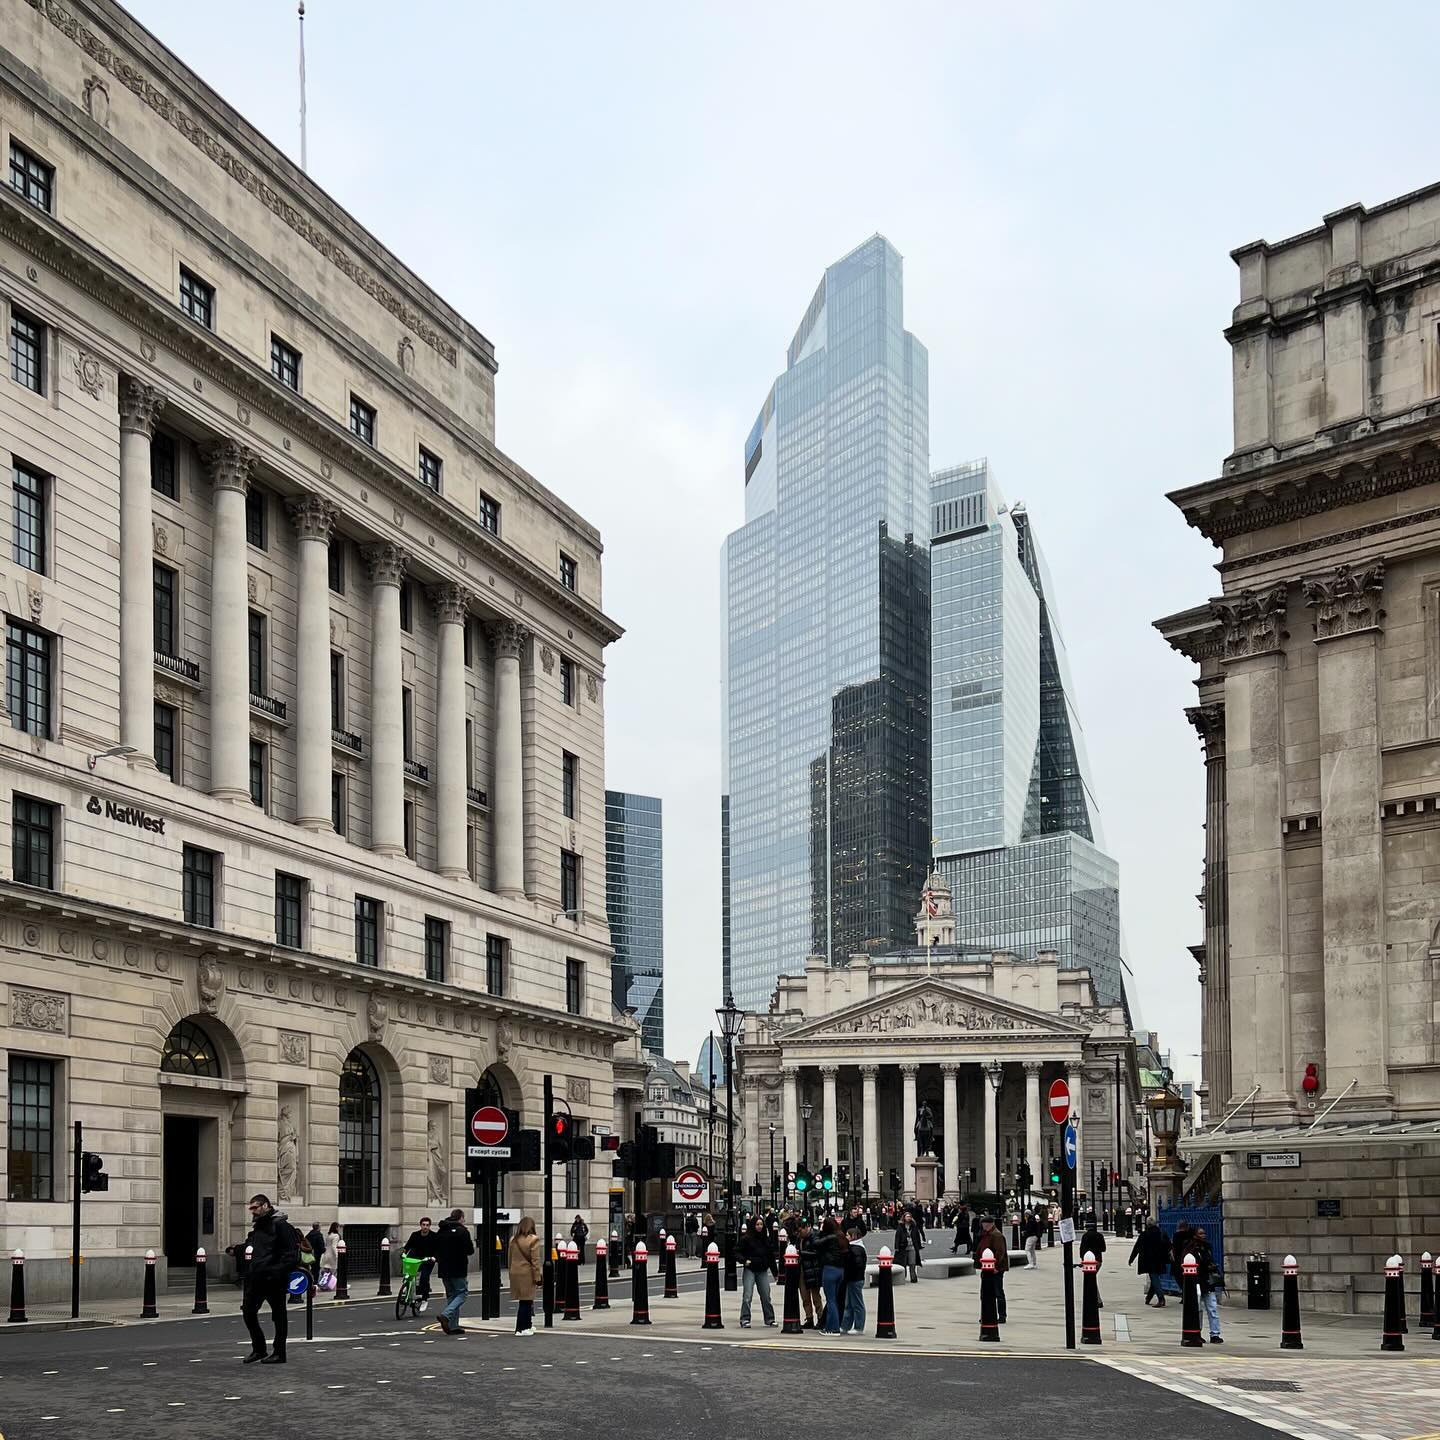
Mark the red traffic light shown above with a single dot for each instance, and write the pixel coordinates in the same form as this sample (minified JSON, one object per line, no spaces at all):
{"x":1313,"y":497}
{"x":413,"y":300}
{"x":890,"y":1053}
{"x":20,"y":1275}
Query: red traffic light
{"x":560,"y":1127}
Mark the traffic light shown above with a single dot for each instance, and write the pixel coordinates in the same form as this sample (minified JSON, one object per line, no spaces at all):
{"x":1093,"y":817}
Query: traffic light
{"x":827,"y":1178}
{"x":1054,"y":1171}
{"x":803,"y":1179}
{"x":894,"y":1179}
{"x":92,"y":1173}
{"x":560,"y":1140}
{"x":527,"y":1150}
{"x":845,"y":1179}
{"x":625,"y":1159}
{"x":1025,"y":1176}
{"x":583,"y":1147}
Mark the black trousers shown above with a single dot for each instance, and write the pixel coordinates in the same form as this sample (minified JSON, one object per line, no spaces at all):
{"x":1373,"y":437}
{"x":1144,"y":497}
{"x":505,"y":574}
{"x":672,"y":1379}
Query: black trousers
{"x":1000,"y":1296}
{"x":265,"y":1290}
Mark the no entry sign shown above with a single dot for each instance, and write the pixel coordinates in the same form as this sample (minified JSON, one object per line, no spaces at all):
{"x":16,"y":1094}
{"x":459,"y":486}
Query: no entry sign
{"x":1059,"y":1101}
{"x":489,"y":1130}
{"x":690,"y":1187}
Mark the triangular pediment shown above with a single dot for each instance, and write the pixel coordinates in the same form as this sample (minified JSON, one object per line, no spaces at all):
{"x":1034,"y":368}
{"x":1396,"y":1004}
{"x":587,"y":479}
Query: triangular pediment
{"x":934,"y":1007}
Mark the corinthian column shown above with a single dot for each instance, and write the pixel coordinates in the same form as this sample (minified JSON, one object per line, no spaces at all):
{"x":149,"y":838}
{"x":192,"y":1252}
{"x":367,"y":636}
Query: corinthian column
{"x":871,"y":1137}
{"x":139,"y":405}
{"x":229,"y":463}
{"x":507,"y":802}
{"x":952,"y":1129}
{"x":1032,"y":1117}
{"x":451,"y":605}
{"x":387,"y":743}
{"x":313,"y":519}
{"x":992,"y":1170}
{"x":908,"y":1073}
{"x":830,"y":1118}
{"x":792,"y":1113}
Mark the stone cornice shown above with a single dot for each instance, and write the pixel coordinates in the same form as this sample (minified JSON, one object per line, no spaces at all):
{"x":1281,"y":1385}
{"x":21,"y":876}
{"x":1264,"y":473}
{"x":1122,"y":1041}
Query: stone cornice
{"x":1195,"y":633}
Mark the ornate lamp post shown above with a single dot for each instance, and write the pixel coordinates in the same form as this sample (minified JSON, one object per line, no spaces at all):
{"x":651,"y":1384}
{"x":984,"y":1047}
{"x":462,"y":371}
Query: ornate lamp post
{"x":732,"y":1021}
{"x":995,"y":1073}
{"x":806,"y":1111}
{"x":1164,"y":1109}
{"x":772,"y":1163}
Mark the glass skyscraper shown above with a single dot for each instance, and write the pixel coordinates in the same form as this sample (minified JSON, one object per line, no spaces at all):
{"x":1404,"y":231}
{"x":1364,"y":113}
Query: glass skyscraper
{"x":825,"y":647}
{"x":1015,"y":825}
{"x":635,"y":903}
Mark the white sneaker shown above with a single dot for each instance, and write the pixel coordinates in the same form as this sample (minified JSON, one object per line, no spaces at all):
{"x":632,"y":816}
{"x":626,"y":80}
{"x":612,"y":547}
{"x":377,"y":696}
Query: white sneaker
{"x":424,"y":1306}
{"x":524,"y":1334}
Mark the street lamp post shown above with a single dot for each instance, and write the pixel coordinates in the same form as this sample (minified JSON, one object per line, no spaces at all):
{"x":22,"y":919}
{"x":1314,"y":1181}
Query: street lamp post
{"x":806,"y":1111}
{"x":772,"y":1162}
{"x":995,"y":1072}
{"x":731,"y":1021}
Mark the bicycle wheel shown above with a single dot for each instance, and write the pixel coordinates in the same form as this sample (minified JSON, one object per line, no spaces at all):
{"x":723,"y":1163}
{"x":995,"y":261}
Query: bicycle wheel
{"x":402,"y":1300}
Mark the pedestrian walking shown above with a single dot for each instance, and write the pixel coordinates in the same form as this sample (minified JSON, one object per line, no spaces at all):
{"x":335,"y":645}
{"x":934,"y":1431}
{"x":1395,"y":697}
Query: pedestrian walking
{"x":692,"y":1231}
{"x":522,"y":1260}
{"x":330,"y":1261}
{"x":757,"y":1255}
{"x":962,"y":1230}
{"x":707,"y":1236}
{"x":1031,"y":1232}
{"x":909,"y":1241}
{"x":578,"y":1232}
{"x":852,"y":1318}
{"x":453,"y":1249}
{"x":977,"y":1226}
{"x":315,"y":1244}
{"x":1211,"y":1282}
{"x":992,"y":1240}
{"x":1151,"y":1257}
{"x":831,"y":1252}
{"x":274,"y":1245}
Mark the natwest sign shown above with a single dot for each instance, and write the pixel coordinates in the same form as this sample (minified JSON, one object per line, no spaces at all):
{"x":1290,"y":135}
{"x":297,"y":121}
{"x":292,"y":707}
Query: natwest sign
{"x":126,"y":815}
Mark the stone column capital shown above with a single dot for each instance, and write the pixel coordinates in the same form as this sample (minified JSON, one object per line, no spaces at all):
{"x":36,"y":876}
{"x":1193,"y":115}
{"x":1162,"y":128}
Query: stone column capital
{"x":829,"y":1072}
{"x":1346,"y":600}
{"x":229,"y":463}
{"x":790,"y":1072}
{"x":140,"y":407}
{"x":949,"y":1067}
{"x":1209,"y":723}
{"x":386,"y":564}
{"x":451,"y":603}
{"x":909,"y":1069}
{"x":312,"y":517}
{"x":507,"y":638}
{"x":869,"y":1072}
{"x":1252,"y":622}
{"x":1032,"y":1067}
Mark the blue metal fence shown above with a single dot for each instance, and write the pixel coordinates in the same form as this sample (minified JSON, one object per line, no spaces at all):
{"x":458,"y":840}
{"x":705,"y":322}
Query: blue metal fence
{"x":1211,"y":1217}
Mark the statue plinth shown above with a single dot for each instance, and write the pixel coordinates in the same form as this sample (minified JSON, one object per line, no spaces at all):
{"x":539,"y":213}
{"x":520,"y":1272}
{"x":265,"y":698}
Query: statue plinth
{"x":927,"y":1179}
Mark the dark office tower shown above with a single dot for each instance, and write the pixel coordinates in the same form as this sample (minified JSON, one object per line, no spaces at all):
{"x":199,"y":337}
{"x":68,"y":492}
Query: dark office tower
{"x":635,"y":904}
{"x":825,"y":644}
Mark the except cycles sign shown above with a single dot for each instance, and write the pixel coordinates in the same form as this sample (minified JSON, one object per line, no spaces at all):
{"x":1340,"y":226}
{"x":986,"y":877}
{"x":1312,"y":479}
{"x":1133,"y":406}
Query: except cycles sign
{"x":690,"y":1187}
{"x":489,"y":1131}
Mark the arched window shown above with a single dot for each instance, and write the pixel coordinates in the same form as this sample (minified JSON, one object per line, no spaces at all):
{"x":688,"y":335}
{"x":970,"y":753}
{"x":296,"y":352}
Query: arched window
{"x":359,"y":1131}
{"x":190,"y":1051}
{"x":490,"y":1092}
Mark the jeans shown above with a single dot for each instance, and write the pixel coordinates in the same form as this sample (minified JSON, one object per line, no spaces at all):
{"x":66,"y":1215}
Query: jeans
{"x":1211,"y":1301}
{"x":457,"y":1289}
{"x":1152,"y":1289}
{"x":754,"y":1278}
{"x":854,"y":1317}
{"x":831,"y":1278}
{"x":524,"y":1315}
{"x":265,"y":1290}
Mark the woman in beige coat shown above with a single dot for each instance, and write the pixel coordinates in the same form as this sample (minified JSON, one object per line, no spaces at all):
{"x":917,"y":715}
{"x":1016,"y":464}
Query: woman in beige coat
{"x":525,"y":1273}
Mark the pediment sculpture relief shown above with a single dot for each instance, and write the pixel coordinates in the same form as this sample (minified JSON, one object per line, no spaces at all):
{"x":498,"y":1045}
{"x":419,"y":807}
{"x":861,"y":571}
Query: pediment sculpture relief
{"x":931,"y":1012}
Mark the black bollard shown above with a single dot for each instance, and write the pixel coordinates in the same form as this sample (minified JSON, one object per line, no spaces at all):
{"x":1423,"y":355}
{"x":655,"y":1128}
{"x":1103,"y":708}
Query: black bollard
{"x":572,"y":1281}
{"x":672,"y":1287}
{"x":1392,"y":1337}
{"x":1190,"y":1303}
{"x":1014,"y":1232}
{"x":1427,"y":1292}
{"x":614,"y":1255}
{"x":342,"y":1272}
{"x":989,"y":1323}
{"x":640,"y":1296}
{"x":17,"y":1288}
{"x":602,"y":1278}
{"x":201,"y":1306}
{"x":712,"y":1289}
{"x":1290,"y":1308}
{"x":1090,"y":1302}
{"x":1050,"y":1231}
{"x":790,"y":1321}
{"x":384,"y":1266}
{"x":885,"y":1297}
{"x":147,"y":1304}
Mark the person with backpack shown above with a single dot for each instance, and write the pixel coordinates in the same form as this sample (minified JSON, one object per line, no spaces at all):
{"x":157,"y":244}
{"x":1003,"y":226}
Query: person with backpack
{"x":274,"y":1245}
{"x":852,"y":1319}
{"x":453,"y":1249}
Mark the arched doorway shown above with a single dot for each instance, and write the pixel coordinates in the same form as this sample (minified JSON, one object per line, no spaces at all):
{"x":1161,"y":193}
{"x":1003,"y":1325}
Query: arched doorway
{"x":195,"y":1138}
{"x":498,"y":1086}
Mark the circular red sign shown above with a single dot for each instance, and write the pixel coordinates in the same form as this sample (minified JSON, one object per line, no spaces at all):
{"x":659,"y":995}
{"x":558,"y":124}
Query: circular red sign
{"x":1059,"y":1101}
{"x":489,"y":1126}
{"x":690,"y":1185}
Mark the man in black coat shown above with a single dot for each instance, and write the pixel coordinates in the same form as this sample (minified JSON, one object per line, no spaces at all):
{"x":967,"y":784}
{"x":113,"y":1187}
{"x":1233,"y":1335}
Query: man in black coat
{"x":1151,"y":1256}
{"x":453,"y":1249}
{"x":274,"y":1255}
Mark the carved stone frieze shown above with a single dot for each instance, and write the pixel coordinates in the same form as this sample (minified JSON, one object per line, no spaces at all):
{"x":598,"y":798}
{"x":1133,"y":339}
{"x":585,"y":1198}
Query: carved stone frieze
{"x":1346,"y":600}
{"x":440,"y":1069}
{"x":39,"y":1010}
{"x":89,"y":375}
{"x":578,"y":1089}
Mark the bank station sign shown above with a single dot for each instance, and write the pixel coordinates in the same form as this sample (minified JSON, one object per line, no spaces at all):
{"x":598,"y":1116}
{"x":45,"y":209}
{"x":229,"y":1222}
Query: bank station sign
{"x":126,"y":815}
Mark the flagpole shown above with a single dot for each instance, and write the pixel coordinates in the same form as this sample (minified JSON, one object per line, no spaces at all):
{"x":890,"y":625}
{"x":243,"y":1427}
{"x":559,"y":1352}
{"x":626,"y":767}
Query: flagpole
{"x":303,"y":156}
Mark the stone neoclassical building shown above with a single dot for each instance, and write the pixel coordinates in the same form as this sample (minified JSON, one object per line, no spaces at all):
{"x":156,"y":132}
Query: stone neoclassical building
{"x":1318,"y":707}
{"x":303,"y":786}
{"x":866,"y":1043}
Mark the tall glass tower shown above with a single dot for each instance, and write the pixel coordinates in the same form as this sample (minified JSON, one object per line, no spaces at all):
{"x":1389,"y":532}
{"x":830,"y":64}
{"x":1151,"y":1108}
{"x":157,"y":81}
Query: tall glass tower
{"x":826,"y":641}
{"x":1016,"y":828}
{"x":635,"y":903}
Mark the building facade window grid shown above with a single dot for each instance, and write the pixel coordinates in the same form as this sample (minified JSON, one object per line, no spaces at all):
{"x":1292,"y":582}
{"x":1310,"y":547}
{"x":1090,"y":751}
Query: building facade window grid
{"x":406,"y":616}
{"x":30,"y":1124}
{"x":259,"y":766}
{"x":30,"y":518}
{"x":27,"y":352}
{"x":32,"y":842}
{"x":162,"y":465}
{"x":285,"y":363}
{"x":31,"y":177}
{"x":497,"y":950}
{"x":255,"y":516}
{"x":199,"y":886}
{"x":634,"y":905}
{"x":337,"y":690}
{"x":165,"y":739}
{"x":362,"y":420}
{"x":338,"y":799}
{"x":197,"y":298}
{"x":367,"y":931}
{"x":574,"y":986}
{"x":431,"y":470}
{"x":257,"y":655}
{"x":569,"y":573}
{"x":289,"y":910}
{"x":569,"y":882}
{"x":567,"y":681}
{"x":360,"y":1131}
{"x":569,"y":784}
{"x":489,"y":514}
{"x":163,"y":585}
{"x":28,"y":654}
{"x":335,"y":563}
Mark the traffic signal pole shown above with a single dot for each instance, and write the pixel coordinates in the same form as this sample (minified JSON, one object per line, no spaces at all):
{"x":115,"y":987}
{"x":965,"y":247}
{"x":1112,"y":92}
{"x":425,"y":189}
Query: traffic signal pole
{"x":75,"y":1227}
{"x":548,"y":1270}
{"x":1067,"y":1213}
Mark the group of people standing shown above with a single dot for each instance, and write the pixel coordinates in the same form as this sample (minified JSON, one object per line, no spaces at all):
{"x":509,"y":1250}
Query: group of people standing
{"x":832,"y":1261}
{"x":1156,"y":1255}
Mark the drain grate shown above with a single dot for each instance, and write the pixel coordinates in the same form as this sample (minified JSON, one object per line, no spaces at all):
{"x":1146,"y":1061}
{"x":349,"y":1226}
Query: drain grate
{"x":1244,"y":1382}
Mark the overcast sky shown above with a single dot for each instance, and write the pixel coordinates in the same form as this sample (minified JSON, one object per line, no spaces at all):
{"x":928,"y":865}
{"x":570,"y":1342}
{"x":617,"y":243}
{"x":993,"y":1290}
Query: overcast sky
{"x":636,"y":201}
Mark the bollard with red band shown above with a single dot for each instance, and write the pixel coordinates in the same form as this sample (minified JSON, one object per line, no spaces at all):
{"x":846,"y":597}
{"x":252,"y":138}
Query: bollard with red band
{"x":1427,"y":1292}
{"x":989,"y":1315}
{"x":1290,"y":1307}
{"x":672,"y":1288}
{"x":17,"y":1288}
{"x":1190,"y":1302}
{"x":1090,"y":1302}
{"x":384,"y":1266}
{"x":572,"y":1281}
{"x":147,"y":1303}
{"x":885,"y":1296}
{"x":602,"y":1277}
{"x":201,"y":1306}
{"x":790,"y":1321}
{"x":712,"y":1289}
{"x":1392,"y":1336}
{"x":342,"y":1272}
{"x":639,"y":1292}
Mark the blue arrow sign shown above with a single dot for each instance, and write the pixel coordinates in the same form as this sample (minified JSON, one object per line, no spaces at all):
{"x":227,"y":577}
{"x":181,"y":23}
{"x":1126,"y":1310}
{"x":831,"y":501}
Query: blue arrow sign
{"x":1070,"y":1144}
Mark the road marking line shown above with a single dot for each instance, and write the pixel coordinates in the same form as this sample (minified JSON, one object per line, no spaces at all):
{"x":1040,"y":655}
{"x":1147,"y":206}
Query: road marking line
{"x":175,"y":1404}
{"x":334,"y":1387}
{"x":232,"y":1397}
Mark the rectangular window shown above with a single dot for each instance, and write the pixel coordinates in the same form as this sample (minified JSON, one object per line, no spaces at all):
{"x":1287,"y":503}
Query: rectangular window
{"x":469,"y":754}
{"x":255,"y":516}
{"x":489,"y":514}
{"x":575,"y":1183}
{"x":337,"y":801}
{"x":407,"y":618}
{"x":27,"y":352}
{"x":30,"y":1142}
{"x":164,"y":588}
{"x":31,"y":495}
{"x":336,"y":557}
{"x":431,"y":467}
{"x":437,"y":947}
{"x":337,"y":690}
{"x":257,"y":653}
{"x":31,"y":176}
{"x":407,"y":722}
{"x":259,"y":764}
{"x":27,"y":678}
{"x":162,"y":465}
{"x":569,"y":784}
{"x":285,"y":363}
{"x":569,"y":882}
{"x":410,"y":828}
{"x":469,"y":632}
{"x":569,"y":573}
{"x":567,"y":680}
{"x":367,"y":931}
{"x":289,"y":910}
{"x":362,"y":420}
{"x":197,"y":299}
{"x":199,"y":869}
{"x":497,"y":955}
{"x":574,"y":986}
{"x":32,"y":842}
{"x":165,"y":739}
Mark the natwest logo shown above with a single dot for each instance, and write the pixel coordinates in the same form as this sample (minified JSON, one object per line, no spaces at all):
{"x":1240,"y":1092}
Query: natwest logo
{"x":126,"y":815}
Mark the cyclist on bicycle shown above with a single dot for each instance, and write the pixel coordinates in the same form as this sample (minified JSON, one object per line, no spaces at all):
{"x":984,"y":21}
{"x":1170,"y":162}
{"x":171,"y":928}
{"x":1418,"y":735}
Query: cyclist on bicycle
{"x":422,"y":1246}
